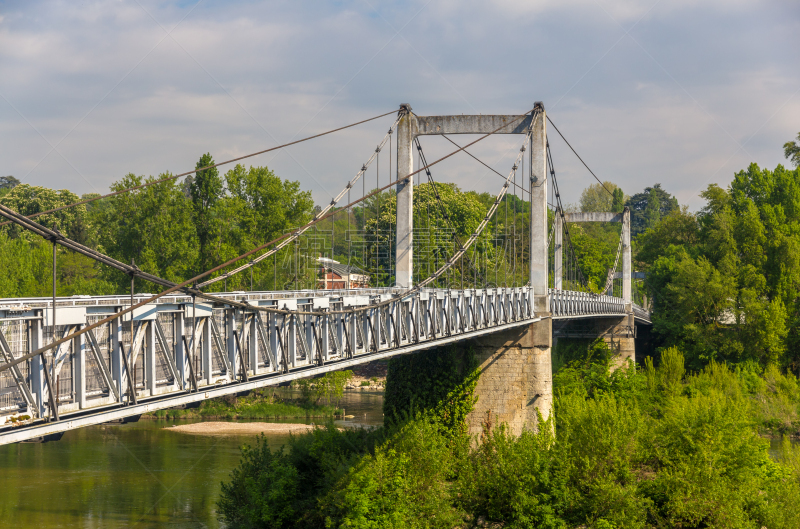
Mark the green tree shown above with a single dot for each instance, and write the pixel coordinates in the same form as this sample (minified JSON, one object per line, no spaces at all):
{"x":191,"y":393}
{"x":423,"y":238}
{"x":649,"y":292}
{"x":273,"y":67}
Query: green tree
{"x":8,"y":182}
{"x":599,"y":197}
{"x":791,"y":151}
{"x":206,"y":189}
{"x":258,"y":207}
{"x":726,"y":282}
{"x":638,"y":204}
{"x":152,"y":225}
{"x":618,"y":202}
{"x":28,"y":200}
{"x":652,"y":213}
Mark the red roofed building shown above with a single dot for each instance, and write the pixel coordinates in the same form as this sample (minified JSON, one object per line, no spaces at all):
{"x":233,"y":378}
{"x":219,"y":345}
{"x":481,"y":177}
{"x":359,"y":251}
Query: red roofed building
{"x":335,"y":275}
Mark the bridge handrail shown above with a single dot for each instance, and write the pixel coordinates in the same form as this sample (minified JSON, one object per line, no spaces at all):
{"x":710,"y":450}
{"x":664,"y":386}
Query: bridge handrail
{"x":576,"y":303}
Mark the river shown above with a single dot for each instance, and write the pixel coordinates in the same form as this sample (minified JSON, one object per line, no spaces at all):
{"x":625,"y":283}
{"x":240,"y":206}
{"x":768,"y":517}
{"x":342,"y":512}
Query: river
{"x":133,"y":475}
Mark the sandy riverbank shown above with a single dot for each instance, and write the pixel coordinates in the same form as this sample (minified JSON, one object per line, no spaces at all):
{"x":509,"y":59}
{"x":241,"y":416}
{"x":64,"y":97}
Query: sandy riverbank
{"x":240,"y":428}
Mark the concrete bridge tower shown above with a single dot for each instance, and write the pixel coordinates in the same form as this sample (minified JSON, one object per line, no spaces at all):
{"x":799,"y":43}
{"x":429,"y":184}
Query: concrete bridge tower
{"x":516,"y":382}
{"x":617,"y":331}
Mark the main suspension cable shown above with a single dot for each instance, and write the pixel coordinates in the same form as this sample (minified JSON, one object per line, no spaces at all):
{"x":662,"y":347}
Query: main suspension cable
{"x":492,"y":169}
{"x":579,"y":157}
{"x":322,"y":213}
{"x":196,"y":170}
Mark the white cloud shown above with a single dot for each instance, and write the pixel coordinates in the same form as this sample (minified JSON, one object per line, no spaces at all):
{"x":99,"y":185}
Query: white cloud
{"x":675,"y":113}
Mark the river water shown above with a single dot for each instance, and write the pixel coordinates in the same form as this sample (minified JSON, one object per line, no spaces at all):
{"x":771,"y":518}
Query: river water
{"x":134,"y":475}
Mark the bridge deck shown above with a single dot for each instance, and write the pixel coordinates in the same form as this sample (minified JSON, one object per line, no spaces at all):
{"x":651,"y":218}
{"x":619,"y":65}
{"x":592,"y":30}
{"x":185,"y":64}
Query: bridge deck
{"x":180,"y":354}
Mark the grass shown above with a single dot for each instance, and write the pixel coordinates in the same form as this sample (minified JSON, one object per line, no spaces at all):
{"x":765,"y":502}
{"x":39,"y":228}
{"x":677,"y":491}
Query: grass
{"x":258,"y":405}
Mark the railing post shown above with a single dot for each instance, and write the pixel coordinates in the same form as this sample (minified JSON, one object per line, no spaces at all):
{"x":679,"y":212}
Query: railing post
{"x":150,"y":357}
{"x":291,"y":340}
{"x":230,"y":339}
{"x":178,"y":324}
{"x":340,"y":333}
{"x":353,"y":324}
{"x":117,"y":364}
{"x":274,"y":342}
{"x":206,"y":364}
{"x":309,"y":328}
{"x":325,"y":338}
{"x":37,"y":367}
{"x":79,"y":368}
{"x":252,"y":340}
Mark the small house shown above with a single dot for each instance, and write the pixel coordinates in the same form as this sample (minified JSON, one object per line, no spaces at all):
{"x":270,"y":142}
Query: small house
{"x":335,"y":275}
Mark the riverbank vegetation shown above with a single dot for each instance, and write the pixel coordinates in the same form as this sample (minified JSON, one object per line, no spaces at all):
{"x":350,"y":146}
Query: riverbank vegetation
{"x":319,"y":398}
{"x":259,"y":404}
{"x":658,"y":447}
{"x":698,"y":435}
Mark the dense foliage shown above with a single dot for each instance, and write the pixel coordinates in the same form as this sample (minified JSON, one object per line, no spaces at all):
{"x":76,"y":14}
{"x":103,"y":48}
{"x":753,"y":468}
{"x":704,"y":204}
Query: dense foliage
{"x":726,"y":281}
{"x":259,"y":404}
{"x":172,"y":229}
{"x":661,"y":447}
{"x":440,"y":385}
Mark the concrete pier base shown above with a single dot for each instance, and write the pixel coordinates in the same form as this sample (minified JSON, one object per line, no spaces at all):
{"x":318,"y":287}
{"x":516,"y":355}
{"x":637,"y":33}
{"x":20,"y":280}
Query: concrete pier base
{"x":516,"y":378}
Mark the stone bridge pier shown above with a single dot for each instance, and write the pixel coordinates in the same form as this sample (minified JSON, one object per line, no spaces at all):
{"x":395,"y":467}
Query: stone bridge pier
{"x":516,"y":378}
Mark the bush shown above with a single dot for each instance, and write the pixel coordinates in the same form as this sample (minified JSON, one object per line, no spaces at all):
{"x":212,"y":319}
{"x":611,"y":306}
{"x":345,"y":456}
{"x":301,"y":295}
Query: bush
{"x":263,"y":490}
{"x":650,"y":449}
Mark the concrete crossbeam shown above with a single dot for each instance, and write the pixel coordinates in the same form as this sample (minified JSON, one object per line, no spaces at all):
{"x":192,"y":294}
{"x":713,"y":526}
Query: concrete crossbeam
{"x":481,"y":124}
{"x":593,"y":216}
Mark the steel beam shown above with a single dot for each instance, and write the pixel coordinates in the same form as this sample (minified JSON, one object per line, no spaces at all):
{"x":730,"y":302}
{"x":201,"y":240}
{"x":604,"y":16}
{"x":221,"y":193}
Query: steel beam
{"x":79,"y":369}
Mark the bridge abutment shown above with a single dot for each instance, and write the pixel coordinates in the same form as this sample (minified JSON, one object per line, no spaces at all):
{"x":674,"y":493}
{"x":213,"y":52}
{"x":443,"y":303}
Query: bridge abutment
{"x":516,"y":378}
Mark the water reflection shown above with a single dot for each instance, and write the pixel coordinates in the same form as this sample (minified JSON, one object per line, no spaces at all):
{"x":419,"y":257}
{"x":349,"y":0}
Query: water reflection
{"x":133,"y":475}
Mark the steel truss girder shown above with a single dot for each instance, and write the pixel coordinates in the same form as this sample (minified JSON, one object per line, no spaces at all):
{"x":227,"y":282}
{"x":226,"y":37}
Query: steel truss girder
{"x":346,"y":329}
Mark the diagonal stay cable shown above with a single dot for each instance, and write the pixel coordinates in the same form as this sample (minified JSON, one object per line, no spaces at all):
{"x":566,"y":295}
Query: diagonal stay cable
{"x":32,"y":226}
{"x":579,"y":156}
{"x":492,"y":169}
{"x":560,"y":211}
{"x":173,"y":177}
{"x":321,"y":213}
{"x":444,"y":210}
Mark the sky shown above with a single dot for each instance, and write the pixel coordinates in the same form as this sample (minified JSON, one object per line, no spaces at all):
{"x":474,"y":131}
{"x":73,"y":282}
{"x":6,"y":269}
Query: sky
{"x":660,"y":91}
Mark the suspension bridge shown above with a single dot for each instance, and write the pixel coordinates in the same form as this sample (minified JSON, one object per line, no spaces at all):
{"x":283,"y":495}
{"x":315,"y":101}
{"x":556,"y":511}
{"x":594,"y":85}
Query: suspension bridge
{"x":67,"y":363}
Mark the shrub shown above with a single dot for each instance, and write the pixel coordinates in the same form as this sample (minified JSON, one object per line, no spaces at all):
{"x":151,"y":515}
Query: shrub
{"x":657,"y":448}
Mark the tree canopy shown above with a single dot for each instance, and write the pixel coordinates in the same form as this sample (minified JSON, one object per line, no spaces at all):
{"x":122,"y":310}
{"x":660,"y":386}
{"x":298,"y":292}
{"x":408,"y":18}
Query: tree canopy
{"x":600,"y":197}
{"x":648,"y":207}
{"x":727,"y":279}
{"x":8,"y":182}
{"x":791,"y":150}
{"x":171,"y":229}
